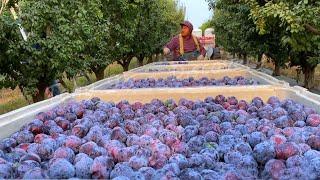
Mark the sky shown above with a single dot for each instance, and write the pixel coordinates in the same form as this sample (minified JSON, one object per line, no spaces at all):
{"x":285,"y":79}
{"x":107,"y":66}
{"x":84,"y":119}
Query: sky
{"x":197,"y":11}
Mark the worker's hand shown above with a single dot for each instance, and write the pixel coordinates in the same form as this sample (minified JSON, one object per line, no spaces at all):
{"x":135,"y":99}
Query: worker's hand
{"x":166,"y":51}
{"x":200,"y":57}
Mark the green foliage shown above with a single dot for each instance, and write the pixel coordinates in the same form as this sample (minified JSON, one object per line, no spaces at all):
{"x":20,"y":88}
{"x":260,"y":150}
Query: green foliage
{"x":299,"y":21}
{"x":234,"y":31}
{"x":279,"y":29}
{"x":67,"y":38}
{"x":207,"y":24}
{"x":52,"y":47}
{"x":140,"y":28}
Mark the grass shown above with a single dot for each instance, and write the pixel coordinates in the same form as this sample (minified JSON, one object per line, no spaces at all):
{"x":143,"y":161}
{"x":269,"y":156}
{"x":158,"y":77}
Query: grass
{"x":13,"y":99}
{"x":292,"y":73}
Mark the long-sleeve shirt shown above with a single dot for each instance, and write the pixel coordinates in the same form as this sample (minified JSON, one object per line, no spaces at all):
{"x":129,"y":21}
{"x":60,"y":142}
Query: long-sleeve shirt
{"x":189,"y":46}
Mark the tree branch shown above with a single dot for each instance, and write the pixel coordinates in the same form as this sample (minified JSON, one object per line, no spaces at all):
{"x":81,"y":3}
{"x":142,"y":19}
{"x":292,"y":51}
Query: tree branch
{"x":312,"y":29}
{"x":3,"y":5}
{"x":119,"y":62}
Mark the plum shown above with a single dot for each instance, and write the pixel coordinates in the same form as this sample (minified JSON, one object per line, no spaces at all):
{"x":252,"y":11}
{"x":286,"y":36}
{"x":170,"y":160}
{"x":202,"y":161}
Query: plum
{"x":244,"y":148}
{"x":195,"y":144}
{"x":172,"y":168}
{"x":119,"y":134}
{"x":264,"y":151}
{"x":137,"y":162}
{"x":132,"y":127}
{"x":101,"y":167}
{"x":167,"y":137}
{"x":30,"y":156}
{"x":190,"y":173}
{"x":35,"y":173}
{"x":185,"y":120}
{"x":36,"y":126}
{"x":295,"y":161}
{"x":124,"y":154}
{"x":314,"y":142}
{"x":283,"y":122}
{"x":180,"y":160}
{"x":206,"y":126}
{"x":82,"y":165}
{"x":73,"y":142}
{"x":95,"y":134}
{"x":8,"y":143}
{"x":211,"y":136}
{"x":46,"y":149}
{"x":147,"y":172}
{"x":256,"y":138}
{"x":232,"y":157}
{"x":210,"y":174}
{"x":157,"y":160}
{"x":313,"y":120}
{"x":274,"y":101}
{"x":79,"y":130}
{"x":273,"y":169}
{"x":278,"y":139}
{"x":92,"y":149}
{"x":286,"y":150}
{"x":26,"y":166}
{"x":60,"y":169}
{"x":121,"y":169}
{"x":64,"y":152}
{"x":196,"y":160}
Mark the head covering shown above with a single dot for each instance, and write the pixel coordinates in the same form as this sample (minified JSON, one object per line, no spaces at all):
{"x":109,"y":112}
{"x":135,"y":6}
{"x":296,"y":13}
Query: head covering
{"x":188,"y":24}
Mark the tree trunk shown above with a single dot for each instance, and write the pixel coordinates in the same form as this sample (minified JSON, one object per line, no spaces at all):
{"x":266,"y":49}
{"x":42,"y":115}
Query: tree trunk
{"x":39,"y":96}
{"x":233,"y":55}
{"x":88,"y":78}
{"x":259,"y":64}
{"x":149,"y":60}
{"x":245,"y":59}
{"x":99,"y":72}
{"x":157,"y":57}
{"x":64,"y":84}
{"x":277,"y":68}
{"x":309,"y":81}
{"x":140,"y":60}
{"x":24,"y":94}
{"x":125,"y":66}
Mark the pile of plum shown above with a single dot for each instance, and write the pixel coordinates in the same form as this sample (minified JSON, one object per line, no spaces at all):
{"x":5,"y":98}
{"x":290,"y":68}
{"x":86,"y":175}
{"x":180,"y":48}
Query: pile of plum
{"x":218,"y":138}
{"x":174,"y":82}
{"x":193,"y":69}
{"x":172,"y":63}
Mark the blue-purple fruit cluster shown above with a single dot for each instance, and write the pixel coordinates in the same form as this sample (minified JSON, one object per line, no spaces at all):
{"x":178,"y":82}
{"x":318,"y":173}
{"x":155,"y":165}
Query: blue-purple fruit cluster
{"x":172,"y":63}
{"x":174,"y":82}
{"x":193,"y":69}
{"x":218,"y":138}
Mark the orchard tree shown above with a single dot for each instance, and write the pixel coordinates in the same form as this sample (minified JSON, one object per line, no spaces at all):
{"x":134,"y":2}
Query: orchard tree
{"x":94,"y":29}
{"x":237,"y":33}
{"x":300,"y":20}
{"x":207,"y":24}
{"x":139,"y":28}
{"x":164,"y":17}
{"x":122,"y":17}
{"x":52,"y":47}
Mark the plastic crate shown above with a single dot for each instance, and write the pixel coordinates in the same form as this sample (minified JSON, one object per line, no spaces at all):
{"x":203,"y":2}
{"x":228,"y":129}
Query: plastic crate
{"x":13,"y":121}
{"x":189,"y":67}
{"x":262,"y":78}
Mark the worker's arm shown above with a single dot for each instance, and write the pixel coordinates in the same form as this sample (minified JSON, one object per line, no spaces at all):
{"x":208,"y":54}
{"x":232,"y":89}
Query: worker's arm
{"x":171,"y":46}
{"x":202,"y":52}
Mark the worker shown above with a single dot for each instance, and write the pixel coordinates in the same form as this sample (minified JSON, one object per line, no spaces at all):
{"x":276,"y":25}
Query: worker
{"x":185,"y":46}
